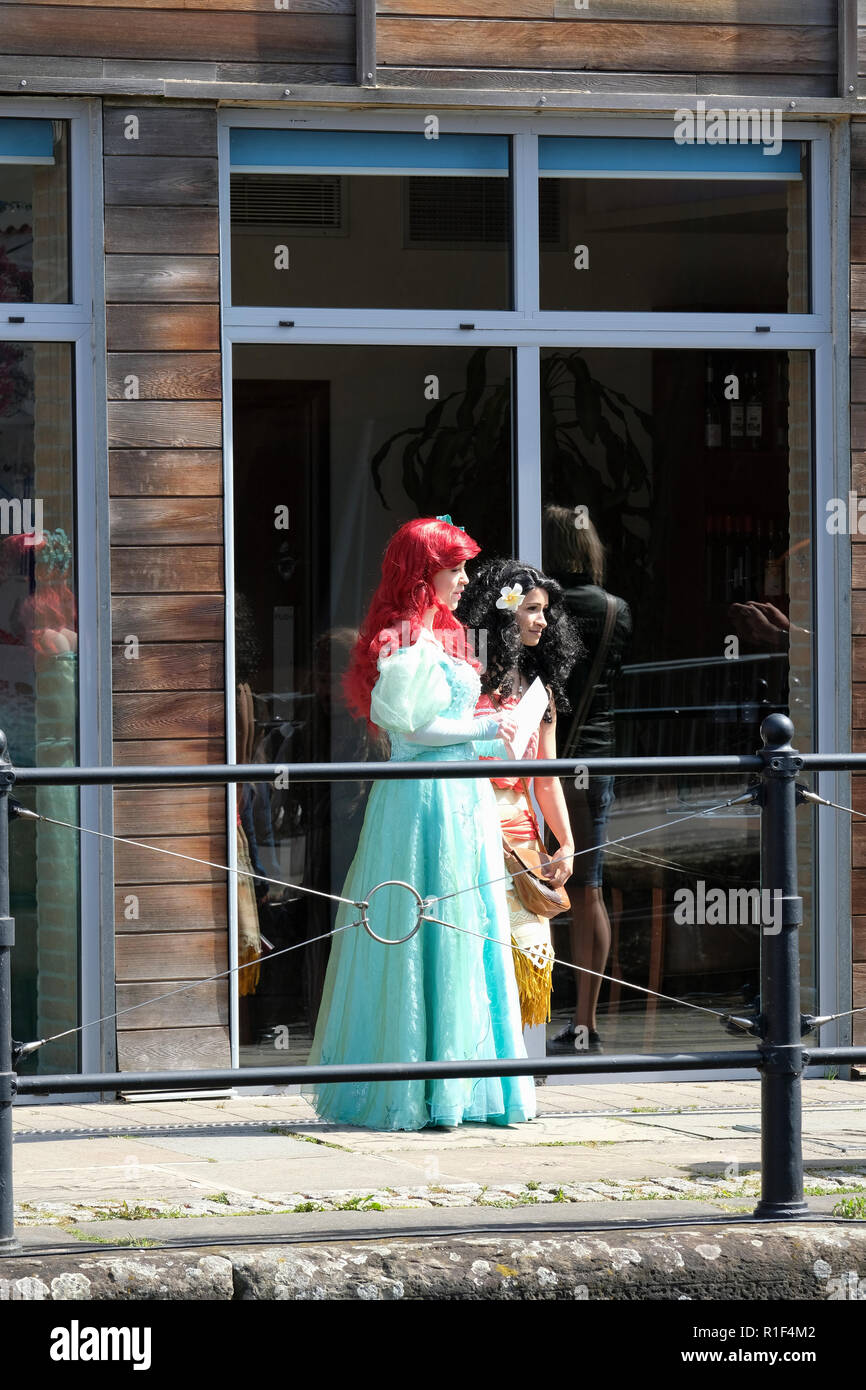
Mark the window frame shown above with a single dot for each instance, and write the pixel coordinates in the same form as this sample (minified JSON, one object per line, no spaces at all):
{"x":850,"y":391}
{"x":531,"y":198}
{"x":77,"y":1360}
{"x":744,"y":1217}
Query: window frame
{"x":74,"y":323}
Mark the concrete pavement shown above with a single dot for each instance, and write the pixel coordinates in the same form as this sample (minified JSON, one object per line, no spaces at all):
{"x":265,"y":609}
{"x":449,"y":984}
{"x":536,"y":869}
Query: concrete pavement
{"x":252,"y":1174}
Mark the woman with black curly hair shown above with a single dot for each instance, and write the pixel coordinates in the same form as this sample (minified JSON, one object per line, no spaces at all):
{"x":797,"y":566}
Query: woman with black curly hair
{"x":528,"y":634}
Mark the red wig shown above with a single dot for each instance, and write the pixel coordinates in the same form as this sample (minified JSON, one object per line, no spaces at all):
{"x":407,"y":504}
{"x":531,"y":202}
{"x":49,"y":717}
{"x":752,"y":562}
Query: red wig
{"x":412,"y":556}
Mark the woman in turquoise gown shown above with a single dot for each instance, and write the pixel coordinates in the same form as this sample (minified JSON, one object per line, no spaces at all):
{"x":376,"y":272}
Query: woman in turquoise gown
{"x":444,"y":994}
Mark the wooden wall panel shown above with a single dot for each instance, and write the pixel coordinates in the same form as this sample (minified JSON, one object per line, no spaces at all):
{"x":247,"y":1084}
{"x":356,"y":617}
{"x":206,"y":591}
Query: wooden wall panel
{"x":161,"y":229}
{"x":164,"y":376}
{"x":169,"y":666}
{"x":787,"y":47}
{"x":162,"y":279}
{"x":192,"y":521}
{"x":160,"y":617}
{"x":797,"y":12}
{"x":165,"y":439}
{"x":170,"y":1049}
{"x":165,"y":715}
{"x":167,"y":569}
{"x":173,"y":907}
{"x":586,"y":43}
{"x":168,"y":752}
{"x":165,"y":472}
{"x":205,"y":1005}
{"x":201,"y":33}
{"x":142,"y":811}
{"x":164,"y":424}
{"x":186,"y":957}
{"x":211,"y":6}
{"x":163,"y":327}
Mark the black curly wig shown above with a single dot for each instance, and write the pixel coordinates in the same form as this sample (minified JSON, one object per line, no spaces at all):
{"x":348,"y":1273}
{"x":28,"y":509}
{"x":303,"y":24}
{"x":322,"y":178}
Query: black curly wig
{"x":557,"y":651}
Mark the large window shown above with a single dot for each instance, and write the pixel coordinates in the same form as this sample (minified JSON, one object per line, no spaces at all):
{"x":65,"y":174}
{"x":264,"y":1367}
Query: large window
{"x":703,"y":506}
{"x":652,"y":225}
{"x":39,"y":677}
{"x":370,"y":220}
{"x":45,"y":363}
{"x":619,"y":327}
{"x":34,"y":224}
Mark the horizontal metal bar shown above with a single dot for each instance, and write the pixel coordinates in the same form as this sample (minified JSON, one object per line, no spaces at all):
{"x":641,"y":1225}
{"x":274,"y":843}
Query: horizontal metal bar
{"x":592,"y":1064}
{"x":387,"y":771}
{"x":420,"y":770}
{"x":384,"y":1071}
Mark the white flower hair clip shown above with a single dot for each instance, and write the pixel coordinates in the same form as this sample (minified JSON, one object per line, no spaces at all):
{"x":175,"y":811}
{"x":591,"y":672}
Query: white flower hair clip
{"x":511,"y":598}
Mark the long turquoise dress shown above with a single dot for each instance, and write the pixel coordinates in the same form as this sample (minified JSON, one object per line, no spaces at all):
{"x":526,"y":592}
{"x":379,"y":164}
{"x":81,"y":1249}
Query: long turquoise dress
{"x":443,"y":995}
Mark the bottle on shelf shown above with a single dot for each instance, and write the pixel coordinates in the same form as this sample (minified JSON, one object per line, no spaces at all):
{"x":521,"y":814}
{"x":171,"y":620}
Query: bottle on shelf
{"x":710,"y":557}
{"x":712,"y":414}
{"x":737,"y":410}
{"x":774,"y":565}
{"x":748,"y":560}
{"x":729,"y":560}
{"x":780,"y":439}
{"x":755,"y":412}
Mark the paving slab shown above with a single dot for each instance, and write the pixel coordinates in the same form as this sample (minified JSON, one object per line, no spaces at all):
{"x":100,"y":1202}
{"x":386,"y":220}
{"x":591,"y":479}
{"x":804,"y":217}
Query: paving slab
{"x":602,"y":1140}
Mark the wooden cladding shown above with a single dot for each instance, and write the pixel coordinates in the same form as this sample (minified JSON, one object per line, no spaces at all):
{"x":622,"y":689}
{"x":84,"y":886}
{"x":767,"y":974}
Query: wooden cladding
{"x":789,"y":47}
{"x":576,"y":44}
{"x":165,"y":441}
{"x":225,"y":47}
{"x":227,"y":32}
{"x":816,"y":12}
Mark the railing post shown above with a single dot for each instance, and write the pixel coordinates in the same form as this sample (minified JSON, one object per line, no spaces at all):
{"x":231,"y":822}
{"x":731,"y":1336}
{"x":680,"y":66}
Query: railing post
{"x":781,"y":1051}
{"x":8,"y":1243}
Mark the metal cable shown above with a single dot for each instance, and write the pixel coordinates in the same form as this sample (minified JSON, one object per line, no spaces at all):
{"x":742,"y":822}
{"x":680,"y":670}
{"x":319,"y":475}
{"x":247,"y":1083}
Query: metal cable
{"x":105,"y":1018}
{"x":584,"y":970}
{"x":175,"y":854}
{"x":562,"y":858}
{"x":234,"y":969}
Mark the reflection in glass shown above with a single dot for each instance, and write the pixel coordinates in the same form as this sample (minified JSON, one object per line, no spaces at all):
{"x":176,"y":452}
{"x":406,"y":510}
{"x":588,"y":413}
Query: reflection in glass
{"x":349,"y":442}
{"x":694,"y":468}
{"x":39,"y":683}
{"x":364,"y":219}
{"x":34,"y":230}
{"x":687,"y":244}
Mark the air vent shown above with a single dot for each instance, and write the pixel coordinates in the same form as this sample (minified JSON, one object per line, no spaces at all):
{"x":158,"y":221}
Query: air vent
{"x":308,"y":201}
{"x":460,"y":210}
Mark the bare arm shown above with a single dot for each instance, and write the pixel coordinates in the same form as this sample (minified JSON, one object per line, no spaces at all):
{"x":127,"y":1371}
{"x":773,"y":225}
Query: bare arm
{"x":549,"y":795}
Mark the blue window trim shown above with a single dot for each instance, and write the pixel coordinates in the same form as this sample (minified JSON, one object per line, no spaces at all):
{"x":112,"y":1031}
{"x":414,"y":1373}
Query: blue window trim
{"x":26,"y":141}
{"x":367,"y":152}
{"x":613,"y":157}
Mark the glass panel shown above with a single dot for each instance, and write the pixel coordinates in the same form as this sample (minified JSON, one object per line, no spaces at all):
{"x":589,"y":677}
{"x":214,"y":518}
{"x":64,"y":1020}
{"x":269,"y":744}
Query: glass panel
{"x":34,"y":219}
{"x":352,"y":441}
{"x":642,"y":239}
{"x":692,"y":470}
{"x":39,"y":684}
{"x":337,"y":219}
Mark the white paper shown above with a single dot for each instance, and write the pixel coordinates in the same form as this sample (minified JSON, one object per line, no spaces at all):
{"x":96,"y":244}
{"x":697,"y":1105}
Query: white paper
{"x":528,"y":714}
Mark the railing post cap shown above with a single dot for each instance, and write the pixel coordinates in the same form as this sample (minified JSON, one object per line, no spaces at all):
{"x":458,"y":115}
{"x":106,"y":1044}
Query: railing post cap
{"x":777,"y":730}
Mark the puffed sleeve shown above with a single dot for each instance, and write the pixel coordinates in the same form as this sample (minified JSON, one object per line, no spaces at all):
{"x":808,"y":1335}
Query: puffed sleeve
{"x":411,"y":690}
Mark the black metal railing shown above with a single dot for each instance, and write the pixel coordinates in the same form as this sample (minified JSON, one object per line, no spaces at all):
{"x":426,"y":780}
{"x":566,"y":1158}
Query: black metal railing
{"x":779,"y":1053}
